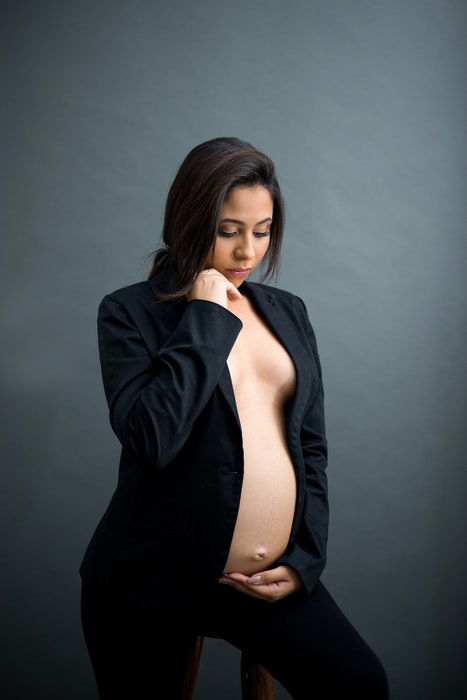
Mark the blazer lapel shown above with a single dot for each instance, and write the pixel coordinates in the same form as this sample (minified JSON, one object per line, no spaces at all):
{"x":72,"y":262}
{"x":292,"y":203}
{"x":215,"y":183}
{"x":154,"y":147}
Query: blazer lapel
{"x":277,"y":317}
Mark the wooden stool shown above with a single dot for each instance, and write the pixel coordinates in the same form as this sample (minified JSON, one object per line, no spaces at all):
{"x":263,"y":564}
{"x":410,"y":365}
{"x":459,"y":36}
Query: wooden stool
{"x":257,"y":683}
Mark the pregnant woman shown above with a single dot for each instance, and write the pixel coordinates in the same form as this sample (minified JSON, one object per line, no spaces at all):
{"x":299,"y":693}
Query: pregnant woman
{"x":219,"y":520}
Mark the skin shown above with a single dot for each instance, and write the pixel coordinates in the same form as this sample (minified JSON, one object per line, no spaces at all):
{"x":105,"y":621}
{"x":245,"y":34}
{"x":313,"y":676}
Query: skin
{"x":246,"y":248}
{"x":248,"y":244}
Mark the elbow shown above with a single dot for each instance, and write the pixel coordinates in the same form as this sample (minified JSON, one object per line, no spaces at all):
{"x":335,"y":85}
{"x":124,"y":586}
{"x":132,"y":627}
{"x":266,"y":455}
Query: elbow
{"x":139,"y":444}
{"x":153,"y":443}
{"x":139,"y":438}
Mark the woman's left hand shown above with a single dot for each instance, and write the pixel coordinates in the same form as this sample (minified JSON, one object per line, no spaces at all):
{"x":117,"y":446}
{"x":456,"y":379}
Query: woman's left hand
{"x":273,"y":585}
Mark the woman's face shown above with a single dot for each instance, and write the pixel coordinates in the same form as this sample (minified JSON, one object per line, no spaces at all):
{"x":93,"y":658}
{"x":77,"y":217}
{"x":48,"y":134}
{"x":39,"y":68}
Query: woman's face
{"x":242,"y":243}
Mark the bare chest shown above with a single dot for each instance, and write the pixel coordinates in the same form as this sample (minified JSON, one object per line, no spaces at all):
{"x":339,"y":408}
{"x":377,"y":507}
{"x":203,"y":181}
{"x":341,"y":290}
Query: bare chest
{"x":258,"y":358}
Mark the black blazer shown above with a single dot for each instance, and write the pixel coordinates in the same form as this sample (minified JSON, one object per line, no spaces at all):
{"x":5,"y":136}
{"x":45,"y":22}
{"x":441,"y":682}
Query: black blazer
{"x":169,"y":524}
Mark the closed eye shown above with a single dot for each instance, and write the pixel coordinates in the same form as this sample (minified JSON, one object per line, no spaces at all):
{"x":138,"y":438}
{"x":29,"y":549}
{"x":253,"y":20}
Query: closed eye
{"x":258,"y":234}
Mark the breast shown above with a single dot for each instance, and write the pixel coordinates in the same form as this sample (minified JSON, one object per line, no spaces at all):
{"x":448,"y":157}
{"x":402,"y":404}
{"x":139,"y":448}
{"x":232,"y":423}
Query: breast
{"x":263,"y":379}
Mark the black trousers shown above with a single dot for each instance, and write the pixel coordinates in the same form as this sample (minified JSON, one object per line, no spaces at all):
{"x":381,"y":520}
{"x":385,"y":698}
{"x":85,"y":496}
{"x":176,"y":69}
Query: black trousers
{"x":306,"y":643}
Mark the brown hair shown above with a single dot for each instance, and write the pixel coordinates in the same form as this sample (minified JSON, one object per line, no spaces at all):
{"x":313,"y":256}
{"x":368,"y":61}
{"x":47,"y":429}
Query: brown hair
{"x":194,"y":204}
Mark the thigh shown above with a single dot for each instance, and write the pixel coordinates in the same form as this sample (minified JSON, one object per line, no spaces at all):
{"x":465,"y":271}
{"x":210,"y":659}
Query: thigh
{"x":306,"y":643}
{"x":134,"y":651}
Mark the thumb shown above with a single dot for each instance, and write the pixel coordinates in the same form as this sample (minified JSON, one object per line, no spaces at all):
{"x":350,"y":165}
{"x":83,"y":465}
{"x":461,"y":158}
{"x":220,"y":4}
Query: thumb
{"x":233,"y":292}
{"x":258,"y":578}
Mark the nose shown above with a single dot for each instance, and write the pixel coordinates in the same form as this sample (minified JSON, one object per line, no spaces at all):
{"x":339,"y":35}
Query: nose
{"x":245,"y":249}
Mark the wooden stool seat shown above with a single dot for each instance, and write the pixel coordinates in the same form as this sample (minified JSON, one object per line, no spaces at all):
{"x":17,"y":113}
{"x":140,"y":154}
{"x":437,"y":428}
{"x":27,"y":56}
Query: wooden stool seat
{"x":256,"y":682}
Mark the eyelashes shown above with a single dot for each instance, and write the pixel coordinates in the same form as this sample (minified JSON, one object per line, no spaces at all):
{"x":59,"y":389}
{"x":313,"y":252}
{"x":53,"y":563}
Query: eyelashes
{"x":258,"y":234}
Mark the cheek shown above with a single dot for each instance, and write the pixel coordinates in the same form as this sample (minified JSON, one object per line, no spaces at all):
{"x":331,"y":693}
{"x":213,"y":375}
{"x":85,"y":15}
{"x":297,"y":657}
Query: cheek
{"x":213,"y":254}
{"x":223,"y":249}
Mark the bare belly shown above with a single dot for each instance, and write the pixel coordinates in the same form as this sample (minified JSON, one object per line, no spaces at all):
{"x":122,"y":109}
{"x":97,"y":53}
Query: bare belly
{"x":263,"y":377}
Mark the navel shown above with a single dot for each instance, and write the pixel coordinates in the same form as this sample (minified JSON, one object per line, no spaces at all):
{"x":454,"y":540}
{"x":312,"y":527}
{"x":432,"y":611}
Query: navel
{"x":260,"y":554}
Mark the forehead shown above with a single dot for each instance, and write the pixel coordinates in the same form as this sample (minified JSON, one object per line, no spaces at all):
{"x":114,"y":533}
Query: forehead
{"x":246,"y":202}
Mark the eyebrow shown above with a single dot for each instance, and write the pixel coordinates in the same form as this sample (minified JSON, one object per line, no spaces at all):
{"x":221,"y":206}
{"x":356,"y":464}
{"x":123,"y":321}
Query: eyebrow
{"x":237,"y":221}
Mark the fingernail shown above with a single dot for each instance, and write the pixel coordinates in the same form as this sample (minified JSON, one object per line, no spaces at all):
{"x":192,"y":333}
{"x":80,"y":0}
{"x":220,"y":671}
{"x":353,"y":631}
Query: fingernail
{"x":254,"y":579}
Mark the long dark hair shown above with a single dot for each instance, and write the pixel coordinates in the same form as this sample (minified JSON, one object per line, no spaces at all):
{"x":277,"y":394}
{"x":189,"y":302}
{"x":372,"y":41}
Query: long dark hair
{"x":194,"y":205}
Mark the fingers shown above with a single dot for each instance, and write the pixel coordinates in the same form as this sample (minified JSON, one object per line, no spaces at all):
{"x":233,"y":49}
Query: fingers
{"x":232,"y":291}
{"x":239,"y":581}
{"x":269,"y":592}
{"x":207,"y":286}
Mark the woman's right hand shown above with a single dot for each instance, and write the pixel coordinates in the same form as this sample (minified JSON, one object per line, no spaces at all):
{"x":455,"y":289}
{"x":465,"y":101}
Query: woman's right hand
{"x":212,"y":285}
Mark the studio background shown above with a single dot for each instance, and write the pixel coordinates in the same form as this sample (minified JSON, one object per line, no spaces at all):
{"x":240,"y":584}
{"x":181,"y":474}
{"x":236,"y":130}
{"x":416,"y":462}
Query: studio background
{"x":362,"y":106}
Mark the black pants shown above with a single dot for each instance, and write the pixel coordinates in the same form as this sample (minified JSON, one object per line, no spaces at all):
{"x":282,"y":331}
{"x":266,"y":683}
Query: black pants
{"x":306,"y":643}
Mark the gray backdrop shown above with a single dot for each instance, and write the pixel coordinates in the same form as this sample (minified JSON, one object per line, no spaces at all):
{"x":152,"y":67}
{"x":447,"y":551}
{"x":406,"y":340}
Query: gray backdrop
{"x":361,"y":105}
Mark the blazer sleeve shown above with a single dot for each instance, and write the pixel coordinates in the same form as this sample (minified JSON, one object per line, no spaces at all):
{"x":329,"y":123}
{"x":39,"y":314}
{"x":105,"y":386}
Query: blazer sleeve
{"x":308,"y":553}
{"x":155,"y":398}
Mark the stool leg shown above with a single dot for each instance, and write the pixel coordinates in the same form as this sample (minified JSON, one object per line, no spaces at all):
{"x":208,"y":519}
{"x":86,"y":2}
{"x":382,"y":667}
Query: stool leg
{"x":192,"y":667}
{"x":257,"y":682}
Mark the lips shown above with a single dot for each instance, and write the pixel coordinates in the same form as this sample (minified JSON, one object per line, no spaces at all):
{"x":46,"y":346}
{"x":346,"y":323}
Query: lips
{"x":238,"y":271}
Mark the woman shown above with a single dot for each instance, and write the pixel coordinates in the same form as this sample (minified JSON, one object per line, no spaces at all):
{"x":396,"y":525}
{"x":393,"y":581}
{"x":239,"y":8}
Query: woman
{"x":215,"y":392}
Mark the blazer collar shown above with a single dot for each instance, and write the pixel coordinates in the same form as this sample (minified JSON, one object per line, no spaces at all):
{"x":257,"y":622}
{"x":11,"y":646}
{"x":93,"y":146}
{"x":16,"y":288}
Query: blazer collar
{"x":278,"y":317}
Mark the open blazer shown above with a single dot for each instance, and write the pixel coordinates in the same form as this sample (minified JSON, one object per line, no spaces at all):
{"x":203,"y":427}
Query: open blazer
{"x":169,"y":524}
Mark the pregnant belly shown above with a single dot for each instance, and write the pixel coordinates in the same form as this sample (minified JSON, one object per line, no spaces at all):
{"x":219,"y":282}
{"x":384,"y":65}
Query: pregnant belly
{"x":263,"y":377}
{"x":266,"y":509}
